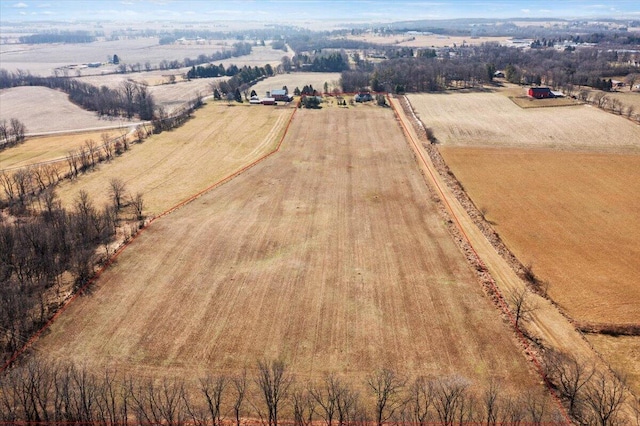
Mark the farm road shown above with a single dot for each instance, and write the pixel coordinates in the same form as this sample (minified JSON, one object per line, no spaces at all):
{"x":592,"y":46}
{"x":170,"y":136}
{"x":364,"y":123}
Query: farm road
{"x":548,"y":323}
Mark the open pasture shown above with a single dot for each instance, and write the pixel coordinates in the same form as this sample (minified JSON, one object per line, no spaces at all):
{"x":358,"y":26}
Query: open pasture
{"x":572,"y":216}
{"x":330,"y":254}
{"x":169,"y":167}
{"x":47,"y":110}
{"x":50,"y":148}
{"x":491,"y":119}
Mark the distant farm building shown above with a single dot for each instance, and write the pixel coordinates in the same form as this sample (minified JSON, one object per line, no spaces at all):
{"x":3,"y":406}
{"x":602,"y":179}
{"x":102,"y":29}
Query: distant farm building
{"x":540,"y":92}
{"x":281,"y":95}
{"x":268,"y":101}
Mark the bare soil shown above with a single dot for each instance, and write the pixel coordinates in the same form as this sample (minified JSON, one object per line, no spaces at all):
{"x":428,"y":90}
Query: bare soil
{"x":571,"y":216}
{"x":331,"y":254}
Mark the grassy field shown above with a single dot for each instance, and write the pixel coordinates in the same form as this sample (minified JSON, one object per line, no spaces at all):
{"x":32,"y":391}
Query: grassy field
{"x":491,"y":119}
{"x":171,"y":166}
{"x":620,"y":352}
{"x":330,"y":254}
{"x":50,"y":148}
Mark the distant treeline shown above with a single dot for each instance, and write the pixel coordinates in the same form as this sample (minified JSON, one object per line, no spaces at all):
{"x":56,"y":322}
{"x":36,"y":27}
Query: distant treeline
{"x":331,"y":62}
{"x":246,"y":74}
{"x":471,"y":65}
{"x":130,"y":100}
{"x":58,"y":37}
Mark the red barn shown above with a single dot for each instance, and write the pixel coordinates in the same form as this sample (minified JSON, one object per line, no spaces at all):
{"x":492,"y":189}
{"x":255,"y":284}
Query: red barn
{"x":540,"y":92}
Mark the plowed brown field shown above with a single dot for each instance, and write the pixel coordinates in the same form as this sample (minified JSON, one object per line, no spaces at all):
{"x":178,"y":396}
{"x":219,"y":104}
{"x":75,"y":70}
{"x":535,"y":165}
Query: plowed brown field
{"x":330,"y":254}
{"x":572,"y":216}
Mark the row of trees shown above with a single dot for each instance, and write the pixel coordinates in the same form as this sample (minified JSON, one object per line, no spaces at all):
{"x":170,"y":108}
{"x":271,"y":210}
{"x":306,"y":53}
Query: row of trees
{"x":322,"y":62}
{"x":130,"y":99}
{"x":58,"y":37}
{"x":246,"y":73}
{"x":62,"y":393}
{"x":269,"y":394}
{"x":35,"y":252}
{"x":12,"y":133}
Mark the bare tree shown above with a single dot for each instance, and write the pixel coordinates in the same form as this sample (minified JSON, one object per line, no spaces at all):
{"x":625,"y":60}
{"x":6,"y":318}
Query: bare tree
{"x":273,"y":382}
{"x":450,"y":399}
{"x":570,"y":376}
{"x":117,"y":189}
{"x":523,"y":306}
{"x":72,"y":161}
{"x":240,"y":385}
{"x":490,"y":401}
{"x":18,"y":130}
{"x":212,"y":387}
{"x":536,"y":407}
{"x":4,"y":131}
{"x":605,"y":395}
{"x":8,"y":185}
{"x":386,"y":386}
{"x":421,"y":398}
{"x":303,"y":405}
{"x":138,"y":204}
{"x":22,"y":180}
{"x":107,"y":146}
{"x":92,"y":151}
{"x":326,"y":395}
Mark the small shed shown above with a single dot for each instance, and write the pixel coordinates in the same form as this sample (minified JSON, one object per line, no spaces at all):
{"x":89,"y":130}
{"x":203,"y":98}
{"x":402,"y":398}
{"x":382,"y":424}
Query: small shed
{"x":268,"y":101}
{"x":540,"y":92}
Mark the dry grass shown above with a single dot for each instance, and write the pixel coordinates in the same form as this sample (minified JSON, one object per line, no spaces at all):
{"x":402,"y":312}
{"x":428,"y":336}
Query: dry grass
{"x":49,"y":148}
{"x":573,"y":216}
{"x":491,"y":119}
{"x":528,"y":102}
{"x":330,"y":254}
{"x":47,"y":110}
{"x":171,"y":166}
{"x":620,"y":352}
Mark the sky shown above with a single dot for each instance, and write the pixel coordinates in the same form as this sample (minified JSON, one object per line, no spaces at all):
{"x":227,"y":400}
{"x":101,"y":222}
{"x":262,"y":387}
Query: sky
{"x":288,"y":11}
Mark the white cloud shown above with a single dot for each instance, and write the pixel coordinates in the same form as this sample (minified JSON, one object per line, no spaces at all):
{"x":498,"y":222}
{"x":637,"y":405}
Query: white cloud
{"x":525,"y":10}
{"x":20,"y":5}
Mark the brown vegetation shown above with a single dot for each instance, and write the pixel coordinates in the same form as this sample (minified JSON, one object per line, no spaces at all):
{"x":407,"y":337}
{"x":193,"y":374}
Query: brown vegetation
{"x":325,"y":287}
